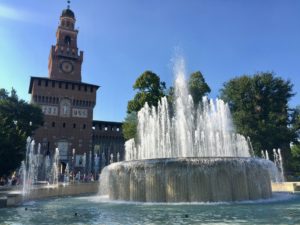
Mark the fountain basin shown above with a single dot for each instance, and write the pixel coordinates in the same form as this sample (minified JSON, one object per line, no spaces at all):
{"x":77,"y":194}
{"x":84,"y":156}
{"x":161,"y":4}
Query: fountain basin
{"x":201,"y":179}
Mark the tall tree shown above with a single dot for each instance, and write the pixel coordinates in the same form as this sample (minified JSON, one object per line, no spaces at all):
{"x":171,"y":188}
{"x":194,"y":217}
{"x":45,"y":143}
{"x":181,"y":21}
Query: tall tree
{"x":149,"y":89}
{"x":259,"y":105}
{"x":18,"y":120}
{"x":198,"y":87}
{"x":295,"y":148}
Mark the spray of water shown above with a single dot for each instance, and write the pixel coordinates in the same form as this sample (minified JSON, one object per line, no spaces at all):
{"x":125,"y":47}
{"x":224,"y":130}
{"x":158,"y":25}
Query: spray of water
{"x":185,"y":130}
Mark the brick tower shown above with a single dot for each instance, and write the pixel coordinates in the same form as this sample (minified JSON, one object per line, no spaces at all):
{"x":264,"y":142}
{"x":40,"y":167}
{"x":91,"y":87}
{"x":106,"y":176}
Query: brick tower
{"x":66,"y":101}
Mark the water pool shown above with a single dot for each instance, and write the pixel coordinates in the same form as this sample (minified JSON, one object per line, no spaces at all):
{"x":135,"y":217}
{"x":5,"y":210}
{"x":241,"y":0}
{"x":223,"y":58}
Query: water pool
{"x":281,"y":209}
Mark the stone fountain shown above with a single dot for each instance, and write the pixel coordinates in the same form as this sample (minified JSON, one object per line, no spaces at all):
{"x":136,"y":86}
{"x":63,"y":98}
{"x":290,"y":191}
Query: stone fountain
{"x":188,"y":153}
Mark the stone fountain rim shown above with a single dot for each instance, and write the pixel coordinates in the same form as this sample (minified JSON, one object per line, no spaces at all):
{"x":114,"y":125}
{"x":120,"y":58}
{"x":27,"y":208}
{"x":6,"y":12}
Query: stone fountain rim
{"x":190,"y":159}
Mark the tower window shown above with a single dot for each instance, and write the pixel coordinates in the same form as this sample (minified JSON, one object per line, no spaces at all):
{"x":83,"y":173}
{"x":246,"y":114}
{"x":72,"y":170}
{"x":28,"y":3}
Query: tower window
{"x":64,"y":125}
{"x":53,"y":124}
{"x":39,"y":82}
{"x":53,"y":84}
{"x":84,"y":126}
{"x":74,"y":125}
{"x":67,"y":40}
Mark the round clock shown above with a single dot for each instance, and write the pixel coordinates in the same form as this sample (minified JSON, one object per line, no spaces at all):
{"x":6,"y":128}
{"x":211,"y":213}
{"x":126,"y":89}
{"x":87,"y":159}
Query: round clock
{"x":67,"y":67}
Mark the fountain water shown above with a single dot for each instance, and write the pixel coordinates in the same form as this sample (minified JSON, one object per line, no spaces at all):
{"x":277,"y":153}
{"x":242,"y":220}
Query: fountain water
{"x":90,"y":162}
{"x":84,"y":163}
{"x":277,"y":174}
{"x":96,"y":165}
{"x":185,"y":152}
{"x":35,"y":166}
{"x":27,"y":167}
{"x":67,"y":174}
{"x":279,"y":163}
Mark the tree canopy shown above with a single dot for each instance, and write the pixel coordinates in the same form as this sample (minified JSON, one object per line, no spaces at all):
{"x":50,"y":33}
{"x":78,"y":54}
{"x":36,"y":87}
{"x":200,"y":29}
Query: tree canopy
{"x":259,"y":106}
{"x":18,"y":120}
{"x":149,"y":89}
{"x":295,"y":148}
{"x":295,"y":123}
{"x":197,"y":87}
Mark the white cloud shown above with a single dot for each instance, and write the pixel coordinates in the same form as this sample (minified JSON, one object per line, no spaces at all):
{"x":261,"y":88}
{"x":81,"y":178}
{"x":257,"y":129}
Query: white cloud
{"x":10,"y":13}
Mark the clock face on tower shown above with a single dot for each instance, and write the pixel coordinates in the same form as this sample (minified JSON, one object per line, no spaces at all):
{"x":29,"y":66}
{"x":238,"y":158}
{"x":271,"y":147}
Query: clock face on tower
{"x":66,"y":66}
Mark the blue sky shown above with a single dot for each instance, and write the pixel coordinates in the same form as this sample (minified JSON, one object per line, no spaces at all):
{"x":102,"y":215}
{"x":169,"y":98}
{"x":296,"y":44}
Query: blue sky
{"x":123,"y":38}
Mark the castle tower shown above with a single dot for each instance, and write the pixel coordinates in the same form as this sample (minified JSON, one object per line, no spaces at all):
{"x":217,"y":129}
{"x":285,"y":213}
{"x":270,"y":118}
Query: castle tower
{"x":66,"y":101}
{"x":64,"y":59}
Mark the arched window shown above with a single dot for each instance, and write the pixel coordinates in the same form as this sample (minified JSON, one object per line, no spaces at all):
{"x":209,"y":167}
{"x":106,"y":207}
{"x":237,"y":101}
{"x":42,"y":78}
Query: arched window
{"x":67,"y":40}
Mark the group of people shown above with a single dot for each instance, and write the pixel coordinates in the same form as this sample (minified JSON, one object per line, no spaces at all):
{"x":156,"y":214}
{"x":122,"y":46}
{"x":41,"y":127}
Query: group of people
{"x":11,"y":180}
{"x":79,"y":177}
{"x":14,"y":179}
{"x":84,"y":177}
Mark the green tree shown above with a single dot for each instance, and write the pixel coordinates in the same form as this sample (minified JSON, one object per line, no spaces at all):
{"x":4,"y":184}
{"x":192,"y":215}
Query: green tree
{"x":130,"y":125}
{"x":149,"y":89}
{"x":295,"y":122}
{"x":198,"y":87}
{"x":295,"y":161}
{"x":18,"y":120}
{"x":259,"y":106}
{"x":295,"y":149}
